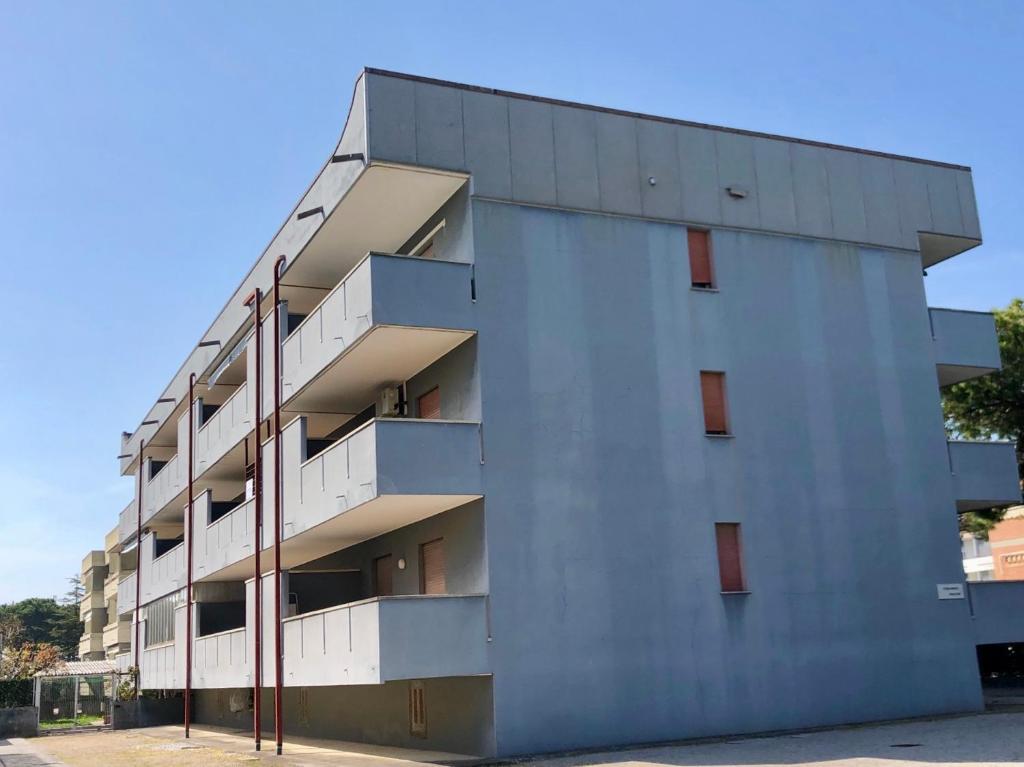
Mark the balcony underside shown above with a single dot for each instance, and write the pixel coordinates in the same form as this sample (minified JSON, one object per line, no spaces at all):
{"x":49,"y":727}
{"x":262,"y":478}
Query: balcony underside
{"x":954,"y":374}
{"x":356,"y":227}
{"x":383,"y":356}
{"x":368,"y":520}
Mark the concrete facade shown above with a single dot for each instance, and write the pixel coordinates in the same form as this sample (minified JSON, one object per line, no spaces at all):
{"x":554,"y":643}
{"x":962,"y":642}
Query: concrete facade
{"x":499,"y":499}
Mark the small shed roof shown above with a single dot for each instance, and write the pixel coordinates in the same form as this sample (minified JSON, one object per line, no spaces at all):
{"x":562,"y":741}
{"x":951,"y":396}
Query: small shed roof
{"x":80,"y":668}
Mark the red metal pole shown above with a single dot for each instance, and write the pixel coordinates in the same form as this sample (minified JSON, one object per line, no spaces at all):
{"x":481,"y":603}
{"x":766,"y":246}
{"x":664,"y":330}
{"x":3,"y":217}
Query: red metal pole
{"x":138,"y":573}
{"x":188,"y":555}
{"x":255,"y":299}
{"x":278,"y":713}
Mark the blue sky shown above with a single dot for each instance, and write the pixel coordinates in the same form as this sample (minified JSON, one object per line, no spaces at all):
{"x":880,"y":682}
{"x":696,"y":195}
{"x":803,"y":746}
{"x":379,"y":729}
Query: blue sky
{"x":149,"y":151}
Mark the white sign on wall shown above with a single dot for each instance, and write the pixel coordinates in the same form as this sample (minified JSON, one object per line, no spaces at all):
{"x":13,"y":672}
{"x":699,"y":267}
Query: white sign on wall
{"x":950,"y":590}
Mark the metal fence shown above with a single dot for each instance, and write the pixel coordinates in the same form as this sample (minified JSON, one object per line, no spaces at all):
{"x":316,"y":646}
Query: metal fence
{"x":74,"y":701}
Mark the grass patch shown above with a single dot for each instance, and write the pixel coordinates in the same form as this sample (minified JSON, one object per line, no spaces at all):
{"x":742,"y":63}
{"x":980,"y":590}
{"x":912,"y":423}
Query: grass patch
{"x":82,"y":721}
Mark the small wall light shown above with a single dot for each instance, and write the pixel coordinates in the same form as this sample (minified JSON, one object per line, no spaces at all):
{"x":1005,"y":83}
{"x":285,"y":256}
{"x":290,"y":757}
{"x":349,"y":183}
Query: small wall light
{"x":652,"y":180}
{"x":401,"y":563}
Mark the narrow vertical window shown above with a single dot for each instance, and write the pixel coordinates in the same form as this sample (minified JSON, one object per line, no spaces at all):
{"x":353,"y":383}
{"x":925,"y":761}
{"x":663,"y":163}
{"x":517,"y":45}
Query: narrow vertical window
{"x":433,"y":577}
{"x":429,"y":404}
{"x":730,"y":557}
{"x":712,"y":390}
{"x":698,"y":243}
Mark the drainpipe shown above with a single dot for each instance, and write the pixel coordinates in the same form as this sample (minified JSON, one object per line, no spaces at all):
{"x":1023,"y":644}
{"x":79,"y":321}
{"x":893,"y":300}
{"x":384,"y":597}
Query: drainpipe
{"x":188,"y":555}
{"x":278,"y":665}
{"x":138,"y":575}
{"x":254,"y":299}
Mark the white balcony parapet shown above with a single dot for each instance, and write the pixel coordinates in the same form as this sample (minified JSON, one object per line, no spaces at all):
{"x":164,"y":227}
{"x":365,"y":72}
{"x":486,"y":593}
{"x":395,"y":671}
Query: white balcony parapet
{"x":224,"y":542}
{"x":984,"y":474}
{"x":126,"y":594}
{"x":162,"y":666}
{"x":161,"y":575}
{"x":995,"y":611}
{"x":355,"y":484}
{"x":386,"y":474}
{"x":391,"y":315}
{"x":221,"y":660}
{"x":226,"y":428}
{"x":965,"y":344}
{"x":387,"y":638}
{"x":127,"y":523}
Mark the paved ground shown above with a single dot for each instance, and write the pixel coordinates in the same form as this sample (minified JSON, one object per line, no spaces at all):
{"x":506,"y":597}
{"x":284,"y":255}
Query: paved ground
{"x":210,"y":747}
{"x":971,"y":741}
{"x":985,"y":739}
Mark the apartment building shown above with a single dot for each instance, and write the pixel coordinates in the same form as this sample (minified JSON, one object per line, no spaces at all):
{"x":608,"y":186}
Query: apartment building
{"x":106,"y":632}
{"x":547,"y":397}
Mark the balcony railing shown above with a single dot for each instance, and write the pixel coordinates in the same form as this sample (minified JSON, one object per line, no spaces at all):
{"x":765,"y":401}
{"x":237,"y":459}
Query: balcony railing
{"x":995,"y":608}
{"x":127,"y":522}
{"x":378,"y":467}
{"x":221,"y":660}
{"x":225,"y":429}
{"x":387,"y":638}
{"x":161,"y":575}
{"x":126,"y":595}
{"x":117,"y":633}
{"x":965,"y":343}
{"x":90,"y":643}
{"x":402,"y":313}
{"x":164,"y":487}
{"x":224,"y":542}
{"x":984,"y":474}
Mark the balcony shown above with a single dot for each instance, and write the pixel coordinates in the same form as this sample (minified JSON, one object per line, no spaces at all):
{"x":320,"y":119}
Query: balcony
{"x":387,"y":638}
{"x":162,"y":666}
{"x":384,"y":475}
{"x":387,"y":320}
{"x":984,"y":474}
{"x":110,"y":587}
{"x":226,"y":541}
{"x":93,"y":600}
{"x":221,"y":660}
{"x":995,"y":608}
{"x":166,"y":485}
{"x":161,"y":575}
{"x":90,"y":644}
{"x":965,"y":345}
{"x":119,"y":633}
{"x":126,"y":595}
{"x":158,"y":669}
{"x":127,"y":523}
{"x":225,"y":430}
{"x":91,"y":560}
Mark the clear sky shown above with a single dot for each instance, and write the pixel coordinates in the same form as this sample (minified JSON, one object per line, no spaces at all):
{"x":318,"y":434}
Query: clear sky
{"x":149,"y":151}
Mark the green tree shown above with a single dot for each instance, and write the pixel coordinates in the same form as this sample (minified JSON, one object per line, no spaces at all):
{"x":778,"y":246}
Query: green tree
{"x":44,"y":621}
{"x":993,"y":405}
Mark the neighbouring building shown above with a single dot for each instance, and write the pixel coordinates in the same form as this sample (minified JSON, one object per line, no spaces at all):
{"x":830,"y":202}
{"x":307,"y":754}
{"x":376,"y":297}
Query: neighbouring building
{"x":1006,"y":545}
{"x":977,"y":556}
{"x":106,"y":632}
{"x":562,"y":391}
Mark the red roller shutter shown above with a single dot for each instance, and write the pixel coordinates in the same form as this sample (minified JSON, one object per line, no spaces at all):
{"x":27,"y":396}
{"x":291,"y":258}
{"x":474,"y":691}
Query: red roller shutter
{"x":730,"y":556}
{"x":698,"y":243}
{"x":712,"y":389}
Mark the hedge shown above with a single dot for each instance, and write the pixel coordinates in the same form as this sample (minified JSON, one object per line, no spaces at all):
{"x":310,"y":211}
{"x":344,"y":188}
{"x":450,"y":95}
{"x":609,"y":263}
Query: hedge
{"x":15,"y":693}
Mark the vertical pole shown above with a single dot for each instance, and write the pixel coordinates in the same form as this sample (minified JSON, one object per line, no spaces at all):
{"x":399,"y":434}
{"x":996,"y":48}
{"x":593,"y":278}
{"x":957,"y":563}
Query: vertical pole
{"x":74,"y":710}
{"x":138,"y":574}
{"x":255,"y":299}
{"x":188,"y":555}
{"x":278,"y":713}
